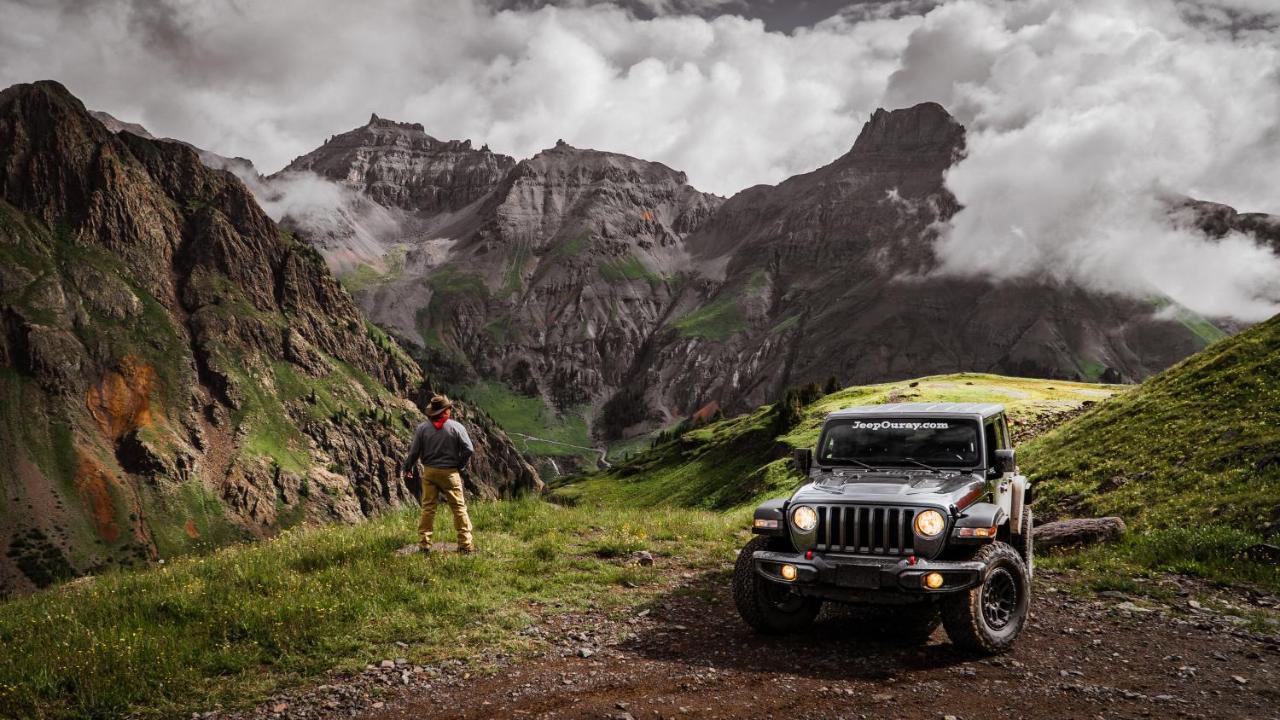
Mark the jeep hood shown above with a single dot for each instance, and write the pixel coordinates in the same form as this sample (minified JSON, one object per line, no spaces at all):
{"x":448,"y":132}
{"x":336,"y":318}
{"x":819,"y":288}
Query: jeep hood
{"x":892,"y":487}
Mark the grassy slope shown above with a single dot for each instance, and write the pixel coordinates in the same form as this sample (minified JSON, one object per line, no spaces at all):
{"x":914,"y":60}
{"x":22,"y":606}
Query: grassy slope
{"x":1191,"y":459}
{"x":738,"y":461}
{"x":531,"y":416}
{"x":1199,"y":443}
{"x":234,"y":626}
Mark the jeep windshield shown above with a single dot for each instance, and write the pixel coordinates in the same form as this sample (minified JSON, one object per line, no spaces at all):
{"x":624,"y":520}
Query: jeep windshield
{"x":900,"y":442}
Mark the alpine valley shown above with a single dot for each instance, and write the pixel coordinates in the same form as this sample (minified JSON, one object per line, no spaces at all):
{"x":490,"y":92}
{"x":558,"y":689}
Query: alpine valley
{"x":179,"y":371}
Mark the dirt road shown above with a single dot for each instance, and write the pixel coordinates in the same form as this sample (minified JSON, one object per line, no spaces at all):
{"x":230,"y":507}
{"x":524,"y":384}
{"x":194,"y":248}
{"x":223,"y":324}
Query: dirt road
{"x":687,"y":655}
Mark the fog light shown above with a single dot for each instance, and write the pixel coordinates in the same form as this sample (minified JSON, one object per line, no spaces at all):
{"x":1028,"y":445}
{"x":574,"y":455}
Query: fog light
{"x":933,"y":580}
{"x":788,"y":572}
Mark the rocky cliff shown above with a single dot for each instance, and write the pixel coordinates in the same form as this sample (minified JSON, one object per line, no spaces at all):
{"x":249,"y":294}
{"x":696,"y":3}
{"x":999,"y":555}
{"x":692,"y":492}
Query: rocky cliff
{"x":177,"y":371}
{"x":606,"y":286}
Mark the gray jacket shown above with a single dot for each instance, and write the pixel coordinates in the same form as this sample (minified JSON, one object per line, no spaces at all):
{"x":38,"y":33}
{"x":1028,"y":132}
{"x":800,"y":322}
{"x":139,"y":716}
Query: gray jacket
{"x":447,"y":448}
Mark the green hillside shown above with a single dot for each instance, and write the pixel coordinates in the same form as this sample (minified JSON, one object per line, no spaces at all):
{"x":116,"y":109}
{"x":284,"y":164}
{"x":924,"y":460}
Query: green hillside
{"x":234,"y":626}
{"x":743,"y":459}
{"x":1198,"y":444}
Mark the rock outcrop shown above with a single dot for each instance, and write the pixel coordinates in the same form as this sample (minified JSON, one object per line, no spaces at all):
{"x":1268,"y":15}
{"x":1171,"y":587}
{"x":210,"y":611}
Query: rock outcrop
{"x":177,"y":372}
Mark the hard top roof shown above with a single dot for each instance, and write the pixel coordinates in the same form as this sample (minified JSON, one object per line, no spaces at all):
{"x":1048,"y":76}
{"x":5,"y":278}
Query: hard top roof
{"x":984,"y":410}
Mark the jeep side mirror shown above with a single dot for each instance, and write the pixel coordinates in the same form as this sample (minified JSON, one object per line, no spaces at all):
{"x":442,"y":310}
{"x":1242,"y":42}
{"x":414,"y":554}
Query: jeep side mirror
{"x":803,"y":459}
{"x":1006,"y":462}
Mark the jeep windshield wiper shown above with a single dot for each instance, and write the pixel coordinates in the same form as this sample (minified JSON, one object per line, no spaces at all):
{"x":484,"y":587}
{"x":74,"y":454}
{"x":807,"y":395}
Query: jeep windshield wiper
{"x":914,"y":461}
{"x":854,"y":461}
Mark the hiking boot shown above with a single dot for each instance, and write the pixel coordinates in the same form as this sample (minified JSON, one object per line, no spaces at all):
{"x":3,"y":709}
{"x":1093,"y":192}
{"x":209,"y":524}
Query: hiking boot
{"x":467,"y":550}
{"x":424,"y":549}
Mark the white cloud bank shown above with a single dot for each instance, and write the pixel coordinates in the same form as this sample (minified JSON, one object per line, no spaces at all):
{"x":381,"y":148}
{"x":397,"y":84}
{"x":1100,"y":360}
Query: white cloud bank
{"x":1084,"y":118}
{"x":1082,"y":115}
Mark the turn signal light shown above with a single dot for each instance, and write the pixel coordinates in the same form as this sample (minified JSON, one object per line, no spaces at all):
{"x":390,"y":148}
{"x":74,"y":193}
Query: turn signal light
{"x":788,"y":572}
{"x":933,"y":580}
{"x":765,"y":524}
{"x":977,"y":532}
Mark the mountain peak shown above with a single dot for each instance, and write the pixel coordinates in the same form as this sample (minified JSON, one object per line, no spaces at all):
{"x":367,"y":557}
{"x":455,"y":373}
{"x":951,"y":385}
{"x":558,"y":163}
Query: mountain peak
{"x":923,"y":128}
{"x":380,"y":123}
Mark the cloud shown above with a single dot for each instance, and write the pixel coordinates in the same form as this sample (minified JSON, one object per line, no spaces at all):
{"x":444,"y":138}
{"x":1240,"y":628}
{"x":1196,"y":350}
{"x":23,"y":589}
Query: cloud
{"x":1084,"y":117}
{"x":722,"y":99}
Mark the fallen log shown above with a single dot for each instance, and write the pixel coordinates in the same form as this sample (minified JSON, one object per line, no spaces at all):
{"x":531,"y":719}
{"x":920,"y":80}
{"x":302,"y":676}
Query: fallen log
{"x":1078,"y":532}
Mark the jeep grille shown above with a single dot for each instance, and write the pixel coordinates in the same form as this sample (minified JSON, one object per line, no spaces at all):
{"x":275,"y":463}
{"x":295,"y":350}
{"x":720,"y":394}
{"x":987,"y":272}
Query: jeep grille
{"x":865,"y":529}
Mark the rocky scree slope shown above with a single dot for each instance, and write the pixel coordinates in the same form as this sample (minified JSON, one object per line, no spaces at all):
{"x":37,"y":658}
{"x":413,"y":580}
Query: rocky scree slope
{"x":176,"y":371}
{"x":606,"y":285}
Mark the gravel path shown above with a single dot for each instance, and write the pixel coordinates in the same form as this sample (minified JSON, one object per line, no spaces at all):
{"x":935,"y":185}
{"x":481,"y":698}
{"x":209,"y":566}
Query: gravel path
{"x":687,"y":655}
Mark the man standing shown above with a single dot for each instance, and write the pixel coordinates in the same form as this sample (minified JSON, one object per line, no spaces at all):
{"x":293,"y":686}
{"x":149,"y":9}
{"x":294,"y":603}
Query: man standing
{"x":443,"y":447}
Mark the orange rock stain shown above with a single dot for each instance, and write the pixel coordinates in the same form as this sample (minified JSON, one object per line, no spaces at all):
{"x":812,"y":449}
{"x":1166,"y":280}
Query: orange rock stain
{"x":121,"y":402}
{"x":94,"y":485}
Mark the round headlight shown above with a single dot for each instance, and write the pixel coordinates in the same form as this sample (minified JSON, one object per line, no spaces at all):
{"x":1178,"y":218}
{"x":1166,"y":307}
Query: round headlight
{"x":929,"y":523}
{"x":804,"y":518}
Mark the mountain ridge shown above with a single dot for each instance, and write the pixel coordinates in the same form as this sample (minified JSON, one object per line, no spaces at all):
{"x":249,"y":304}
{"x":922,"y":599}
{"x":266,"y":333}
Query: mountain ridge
{"x":564,"y":281}
{"x":829,"y":272}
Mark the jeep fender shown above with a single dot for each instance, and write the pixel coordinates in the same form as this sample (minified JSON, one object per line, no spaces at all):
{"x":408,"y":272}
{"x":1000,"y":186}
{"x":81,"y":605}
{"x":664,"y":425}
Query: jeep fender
{"x":770,"y":518}
{"x":978,"y":515}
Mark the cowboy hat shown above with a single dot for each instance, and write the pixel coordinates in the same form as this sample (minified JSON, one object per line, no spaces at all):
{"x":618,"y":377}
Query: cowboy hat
{"x":438,"y":404}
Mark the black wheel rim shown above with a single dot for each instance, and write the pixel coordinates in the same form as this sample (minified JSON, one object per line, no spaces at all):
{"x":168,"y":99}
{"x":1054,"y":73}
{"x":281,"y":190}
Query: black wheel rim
{"x":782,"y":598}
{"x":999,"y":599}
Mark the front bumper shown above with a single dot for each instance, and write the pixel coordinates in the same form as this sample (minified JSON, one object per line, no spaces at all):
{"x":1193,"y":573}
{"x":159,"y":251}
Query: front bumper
{"x":863,"y":572}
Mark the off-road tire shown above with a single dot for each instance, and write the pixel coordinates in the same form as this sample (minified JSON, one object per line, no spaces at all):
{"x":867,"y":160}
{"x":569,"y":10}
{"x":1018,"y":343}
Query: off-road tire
{"x":1024,"y":544}
{"x":972,"y":617}
{"x":751,"y":595}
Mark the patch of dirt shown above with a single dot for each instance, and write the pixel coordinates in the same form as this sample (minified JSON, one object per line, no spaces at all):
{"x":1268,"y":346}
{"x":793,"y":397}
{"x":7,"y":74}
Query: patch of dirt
{"x":688,"y":655}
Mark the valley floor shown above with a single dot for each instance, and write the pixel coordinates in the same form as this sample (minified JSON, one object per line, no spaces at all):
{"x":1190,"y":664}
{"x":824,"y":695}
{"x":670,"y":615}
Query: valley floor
{"x":686,"y":654}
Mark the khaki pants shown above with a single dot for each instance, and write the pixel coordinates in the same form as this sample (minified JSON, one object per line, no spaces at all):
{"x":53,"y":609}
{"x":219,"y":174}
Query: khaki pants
{"x":449,"y":482}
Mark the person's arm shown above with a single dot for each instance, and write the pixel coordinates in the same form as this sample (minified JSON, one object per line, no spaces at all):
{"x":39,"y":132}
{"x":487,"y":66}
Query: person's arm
{"x":465,"y":448}
{"x":415,"y":450}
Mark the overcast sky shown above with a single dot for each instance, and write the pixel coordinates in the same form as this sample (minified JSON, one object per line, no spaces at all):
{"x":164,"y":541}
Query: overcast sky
{"x":1083,"y":115}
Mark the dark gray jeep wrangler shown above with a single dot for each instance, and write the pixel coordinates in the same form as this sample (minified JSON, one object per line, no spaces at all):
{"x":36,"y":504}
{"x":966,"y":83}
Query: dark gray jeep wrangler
{"x":912,"y":513}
